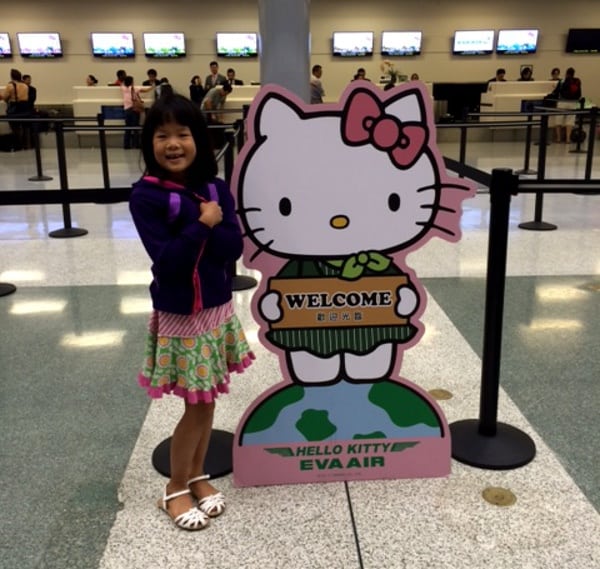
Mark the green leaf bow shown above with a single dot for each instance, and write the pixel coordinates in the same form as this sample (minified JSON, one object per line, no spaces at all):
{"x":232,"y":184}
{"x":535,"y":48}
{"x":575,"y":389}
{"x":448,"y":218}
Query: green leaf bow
{"x":354,"y":266}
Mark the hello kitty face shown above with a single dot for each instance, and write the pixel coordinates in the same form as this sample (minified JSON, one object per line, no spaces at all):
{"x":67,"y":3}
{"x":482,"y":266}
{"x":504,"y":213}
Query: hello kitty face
{"x":329,"y":183}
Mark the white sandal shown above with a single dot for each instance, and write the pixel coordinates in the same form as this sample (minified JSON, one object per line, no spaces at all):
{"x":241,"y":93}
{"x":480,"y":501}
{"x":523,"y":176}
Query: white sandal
{"x":213,"y":505}
{"x":192,"y":520}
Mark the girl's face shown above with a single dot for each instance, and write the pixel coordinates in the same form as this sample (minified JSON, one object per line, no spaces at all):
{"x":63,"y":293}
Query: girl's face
{"x":174,"y":149}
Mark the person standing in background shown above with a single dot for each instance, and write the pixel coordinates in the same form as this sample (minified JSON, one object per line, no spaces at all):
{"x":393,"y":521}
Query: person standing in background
{"x":32,"y":93}
{"x":121,"y":74}
{"x":569,"y":96}
{"x":91,"y":81}
{"x":231,"y":77}
{"x":131,"y":96}
{"x":27,"y":127}
{"x":316,"y":87}
{"x":526,"y":74}
{"x":360,"y":75}
{"x":214,"y":101}
{"x":16,"y":96}
{"x":196,"y":90}
{"x":215,"y":78}
{"x":500,"y":75}
{"x":153,"y":81}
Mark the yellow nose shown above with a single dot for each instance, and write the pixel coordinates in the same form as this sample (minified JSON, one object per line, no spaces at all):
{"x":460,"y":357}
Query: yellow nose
{"x":339,"y":222}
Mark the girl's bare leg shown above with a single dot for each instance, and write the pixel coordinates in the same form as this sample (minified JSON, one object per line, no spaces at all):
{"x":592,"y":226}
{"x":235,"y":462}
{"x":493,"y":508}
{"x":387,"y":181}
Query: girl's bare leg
{"x":191,"y":434}
{"x":203,"y":488}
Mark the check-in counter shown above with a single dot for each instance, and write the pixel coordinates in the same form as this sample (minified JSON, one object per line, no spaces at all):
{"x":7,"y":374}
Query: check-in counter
{"x":88,"y":102}
{"x":507,"y":96}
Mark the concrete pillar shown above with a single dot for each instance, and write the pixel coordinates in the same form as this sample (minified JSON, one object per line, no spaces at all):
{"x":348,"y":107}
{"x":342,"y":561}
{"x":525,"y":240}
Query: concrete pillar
{"x":285,"y":44}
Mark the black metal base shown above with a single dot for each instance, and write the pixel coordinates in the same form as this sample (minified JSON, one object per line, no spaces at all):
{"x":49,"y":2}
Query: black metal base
{"x":509,"y":448}
{"x":243,"y":282}
{"x":7,"y":288}
{"x":219,"y":459}
{"x":538,"y":226}
{"x":39,"y":178}
{"x":68,"y":232}
{"x":526,"y":172}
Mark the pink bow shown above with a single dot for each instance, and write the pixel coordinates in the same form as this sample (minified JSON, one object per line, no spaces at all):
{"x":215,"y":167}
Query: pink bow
{"x":365,"y":122}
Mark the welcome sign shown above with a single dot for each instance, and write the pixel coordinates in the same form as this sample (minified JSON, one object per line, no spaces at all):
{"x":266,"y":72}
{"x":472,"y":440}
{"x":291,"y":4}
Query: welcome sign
{"x":332,"y":198}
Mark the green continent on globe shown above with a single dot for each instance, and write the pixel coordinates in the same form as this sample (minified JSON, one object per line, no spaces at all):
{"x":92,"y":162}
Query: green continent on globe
{"x":315,"y":425}
{"x":404,"y":407}
{"x":266,"y":415}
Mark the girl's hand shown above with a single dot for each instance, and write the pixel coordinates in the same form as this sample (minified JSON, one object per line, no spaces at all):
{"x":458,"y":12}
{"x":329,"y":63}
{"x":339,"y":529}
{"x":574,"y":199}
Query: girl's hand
{"x":211,"y":213}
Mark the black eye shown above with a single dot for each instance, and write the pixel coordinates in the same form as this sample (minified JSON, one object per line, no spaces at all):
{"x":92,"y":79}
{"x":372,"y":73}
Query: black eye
{"x":285,"y":206}
{"x":394,"y":202}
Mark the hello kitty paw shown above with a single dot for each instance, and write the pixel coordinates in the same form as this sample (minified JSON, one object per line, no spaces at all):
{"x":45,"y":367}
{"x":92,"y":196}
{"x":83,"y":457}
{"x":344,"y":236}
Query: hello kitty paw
{"x":308,"y":369}
{"x":270,"y":308}
{"x":407,"y":301}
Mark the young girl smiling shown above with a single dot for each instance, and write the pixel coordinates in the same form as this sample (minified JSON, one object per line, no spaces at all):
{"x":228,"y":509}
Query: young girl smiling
{"x":185,"y":217}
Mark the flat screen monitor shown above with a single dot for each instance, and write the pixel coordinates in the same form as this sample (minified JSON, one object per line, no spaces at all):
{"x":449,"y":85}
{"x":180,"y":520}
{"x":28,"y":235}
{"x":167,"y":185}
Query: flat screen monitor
{"x":401,"y":43}
{"x":112,"y":44}
{"x":473,"y":42}
{"x":352,"y":44}
{"x":517,"y":42}
{"x":39,"y":44}
{"x":164,"y":44}
{"x":5,"y":50}
{"x":237,"y":44}
{"x":583,"y":40}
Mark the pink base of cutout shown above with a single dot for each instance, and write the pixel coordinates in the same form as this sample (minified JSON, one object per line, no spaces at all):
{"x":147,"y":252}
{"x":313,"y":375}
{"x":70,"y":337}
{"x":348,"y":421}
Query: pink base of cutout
{"x":255,"y":466}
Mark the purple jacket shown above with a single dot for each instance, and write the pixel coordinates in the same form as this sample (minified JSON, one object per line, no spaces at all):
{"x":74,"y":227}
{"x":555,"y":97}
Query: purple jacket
{"x":192,"y":264}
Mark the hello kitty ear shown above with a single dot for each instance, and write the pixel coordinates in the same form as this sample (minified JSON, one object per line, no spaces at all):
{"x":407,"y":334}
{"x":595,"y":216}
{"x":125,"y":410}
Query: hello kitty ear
{"x":275,"y":115}
{"x":407,"y":107}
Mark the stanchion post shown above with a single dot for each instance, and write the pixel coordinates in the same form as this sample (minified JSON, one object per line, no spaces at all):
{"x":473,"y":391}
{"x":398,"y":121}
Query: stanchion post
{"x":526,"y":169}
{"x":591,"y":140}
{"x":103,"y":151}
{"x":68,"y":230}
{"x":537,"y":224}
{"x":463,"y":147}
{"x":579,"y":125}
{"x":35,"y":134}
{"x":486,"y":443}
{"x":7,"y":288}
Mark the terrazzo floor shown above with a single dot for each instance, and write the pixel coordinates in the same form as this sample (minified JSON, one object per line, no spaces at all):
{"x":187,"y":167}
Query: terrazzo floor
{"x":77,"y":434}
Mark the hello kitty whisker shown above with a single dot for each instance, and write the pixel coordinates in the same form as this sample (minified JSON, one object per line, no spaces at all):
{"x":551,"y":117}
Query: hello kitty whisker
{"x":247,"y":209}
{"x":456,"y":187}
{"x":438,"y":208}
{"x":425,"y":188}
{"x":443,"y":229}
{"x":257,"y":230}
{"x":261,"y":250}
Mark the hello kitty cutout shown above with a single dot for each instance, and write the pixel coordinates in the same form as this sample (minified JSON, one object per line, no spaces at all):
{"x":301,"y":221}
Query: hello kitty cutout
{"x":332,"y":198}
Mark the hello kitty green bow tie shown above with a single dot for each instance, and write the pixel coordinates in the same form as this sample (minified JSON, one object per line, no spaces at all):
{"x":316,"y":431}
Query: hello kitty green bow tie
{"x":354,"y":266}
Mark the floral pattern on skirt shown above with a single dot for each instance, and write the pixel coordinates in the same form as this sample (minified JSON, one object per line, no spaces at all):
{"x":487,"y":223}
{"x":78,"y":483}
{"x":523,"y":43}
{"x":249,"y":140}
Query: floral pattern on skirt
{"x":196,"y":368}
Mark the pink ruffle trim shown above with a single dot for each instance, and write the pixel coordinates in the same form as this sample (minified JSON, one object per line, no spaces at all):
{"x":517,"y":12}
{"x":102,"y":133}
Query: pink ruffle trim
{"x":195,"y":397}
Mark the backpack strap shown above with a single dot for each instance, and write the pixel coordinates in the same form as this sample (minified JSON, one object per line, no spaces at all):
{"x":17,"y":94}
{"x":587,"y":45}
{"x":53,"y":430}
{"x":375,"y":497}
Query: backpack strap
{"x":212,"y":192}
{"x":174,"y":206}
{"x":175,"y":202}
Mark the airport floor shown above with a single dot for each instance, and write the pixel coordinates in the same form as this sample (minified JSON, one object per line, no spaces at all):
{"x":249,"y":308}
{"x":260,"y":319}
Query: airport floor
{"x":78,"y":489}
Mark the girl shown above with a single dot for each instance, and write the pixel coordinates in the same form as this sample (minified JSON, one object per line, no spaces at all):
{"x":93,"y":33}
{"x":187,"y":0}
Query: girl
{"x":186,"y":220}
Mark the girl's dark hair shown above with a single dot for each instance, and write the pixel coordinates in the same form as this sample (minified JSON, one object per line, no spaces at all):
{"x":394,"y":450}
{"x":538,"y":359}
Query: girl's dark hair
{"x":178,"y":109}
